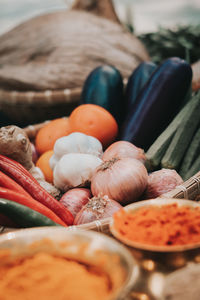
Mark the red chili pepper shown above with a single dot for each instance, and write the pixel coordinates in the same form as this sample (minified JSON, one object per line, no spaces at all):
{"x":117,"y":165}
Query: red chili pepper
{"x":36,"y":191}
{"x":9,"y":183}
{"x":31,"y":203}
{"x":18,"y":166}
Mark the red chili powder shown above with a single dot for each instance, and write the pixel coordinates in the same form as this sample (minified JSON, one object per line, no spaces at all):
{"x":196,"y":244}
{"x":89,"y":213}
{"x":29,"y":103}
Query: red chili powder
{"x":167,"y":225}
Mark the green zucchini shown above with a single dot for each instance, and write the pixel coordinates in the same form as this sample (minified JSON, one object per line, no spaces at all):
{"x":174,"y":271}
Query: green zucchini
{"x":191,"y":155}
{"x":23,"y":215}
{"x":157,"y":150}
{"x":183,"y":136}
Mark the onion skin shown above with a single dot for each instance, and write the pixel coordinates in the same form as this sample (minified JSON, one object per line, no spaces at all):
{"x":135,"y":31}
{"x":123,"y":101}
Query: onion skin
{"x":123,"y":180}
{"x":35,"y":155}
{"x":124,"y":149}
{"x":160,"y":182}
{"x":75,"y":199}
{"x":97,"y":208}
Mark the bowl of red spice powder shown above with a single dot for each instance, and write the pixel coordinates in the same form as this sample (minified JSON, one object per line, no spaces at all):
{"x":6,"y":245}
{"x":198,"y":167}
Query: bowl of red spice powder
{"x":55,"y":264}
{"x":164,"y":230}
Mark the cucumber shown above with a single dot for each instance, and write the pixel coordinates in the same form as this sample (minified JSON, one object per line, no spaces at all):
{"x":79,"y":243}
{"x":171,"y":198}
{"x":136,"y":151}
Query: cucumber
{"x":183,"y":136}
{"x":157,"y":150}
{"x":136,"y":82}
{"x":104,"y":87}
{"x":190,"y":156}
{"x":157,"y":103}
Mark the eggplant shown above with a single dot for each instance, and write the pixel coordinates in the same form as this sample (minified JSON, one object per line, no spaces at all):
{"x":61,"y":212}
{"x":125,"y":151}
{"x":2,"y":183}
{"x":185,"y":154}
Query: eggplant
{"x":104,"y":87}
{"x":158,"y":102}
{"x":136,"y":82}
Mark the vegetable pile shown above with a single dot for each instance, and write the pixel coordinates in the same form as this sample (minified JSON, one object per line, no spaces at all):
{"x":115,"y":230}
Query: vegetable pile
{"x":95,"y":161}
{"x":178,"y":145}
{"x":22,"y":188}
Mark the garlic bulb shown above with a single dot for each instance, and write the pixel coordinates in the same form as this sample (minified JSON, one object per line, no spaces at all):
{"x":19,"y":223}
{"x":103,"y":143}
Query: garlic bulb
{"x":76,"y":142}
{"x":75,"y":170}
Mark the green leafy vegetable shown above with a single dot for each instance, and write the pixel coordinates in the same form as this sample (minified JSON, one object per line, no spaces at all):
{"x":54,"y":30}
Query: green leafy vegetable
{"x":180,"y":41}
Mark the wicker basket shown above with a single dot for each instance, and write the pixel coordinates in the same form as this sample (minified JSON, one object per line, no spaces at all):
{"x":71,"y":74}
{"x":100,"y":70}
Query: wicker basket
{"x":33,"y":107}
{"x":54,"y":88}
{"x":190,"y":189}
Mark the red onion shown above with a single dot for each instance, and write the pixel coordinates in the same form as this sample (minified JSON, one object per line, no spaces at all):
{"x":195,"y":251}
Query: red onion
{"x":75,"y":199}
{"x":35,"y":155}
{"x":97,"y":208}
{"x":124,"y":149}
{"x":123,"y":180}
{"x":160,"y":182}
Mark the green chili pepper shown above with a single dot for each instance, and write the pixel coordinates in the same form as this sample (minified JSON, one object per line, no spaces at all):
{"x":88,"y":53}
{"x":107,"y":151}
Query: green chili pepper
{"x":23,"y":215}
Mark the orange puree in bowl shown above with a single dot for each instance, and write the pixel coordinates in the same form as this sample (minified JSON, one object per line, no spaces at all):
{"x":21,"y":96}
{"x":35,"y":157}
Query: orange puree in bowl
{"x":47,"y":277}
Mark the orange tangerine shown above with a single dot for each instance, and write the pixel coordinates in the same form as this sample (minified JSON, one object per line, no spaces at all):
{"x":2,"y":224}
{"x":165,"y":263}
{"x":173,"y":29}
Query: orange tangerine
{"x":43,"y":164}
{"x":49,"y":133}
{"x":96,"y":121}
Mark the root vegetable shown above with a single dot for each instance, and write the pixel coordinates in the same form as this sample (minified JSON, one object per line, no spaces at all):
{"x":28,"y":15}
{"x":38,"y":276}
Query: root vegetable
{"x":75,"y":199}
{"x":50,"y":188}
{"x":35,"y":155}
{"x":76,"y":142}
{"x":124,"y":149}
{"x":160,"y":182}
{"x":97,"y":208}
{"x":123,"y":180}
{"x":16,"y":145}
{"x":75,"y":170}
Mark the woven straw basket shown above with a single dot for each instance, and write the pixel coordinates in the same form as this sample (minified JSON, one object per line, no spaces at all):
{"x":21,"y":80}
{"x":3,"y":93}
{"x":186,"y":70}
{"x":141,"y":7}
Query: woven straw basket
{"x":32,"y":107}
{"x":41,"y":76}
{"x":190,"y":189}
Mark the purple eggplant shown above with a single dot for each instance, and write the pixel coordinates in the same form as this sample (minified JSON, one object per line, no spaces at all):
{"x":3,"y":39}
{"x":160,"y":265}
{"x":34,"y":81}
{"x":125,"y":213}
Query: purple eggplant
{"x":158,"y":102}
{"x":136,"y":82}
{"x":104,"y":87}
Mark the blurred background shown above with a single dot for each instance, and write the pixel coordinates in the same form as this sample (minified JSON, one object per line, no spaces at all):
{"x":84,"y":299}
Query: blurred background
{"x":144,"y":15}
{"x":166,"y":28}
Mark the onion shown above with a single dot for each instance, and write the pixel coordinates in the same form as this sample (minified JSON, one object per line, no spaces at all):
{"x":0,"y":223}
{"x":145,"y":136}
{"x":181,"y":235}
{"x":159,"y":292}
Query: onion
{"x":123,"y":149}
{"x":35,"y":155}
{"x":160,"y":182}
{"x":123,"y":180}
{"x":97,"y":208}
{"x":75,"y":199}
